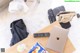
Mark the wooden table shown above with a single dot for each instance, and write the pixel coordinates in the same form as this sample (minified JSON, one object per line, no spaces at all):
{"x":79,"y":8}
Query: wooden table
{"x":30,"y":41}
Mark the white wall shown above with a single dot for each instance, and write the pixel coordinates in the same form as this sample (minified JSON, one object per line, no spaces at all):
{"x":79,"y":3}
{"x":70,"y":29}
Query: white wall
{"x":69,"y":6}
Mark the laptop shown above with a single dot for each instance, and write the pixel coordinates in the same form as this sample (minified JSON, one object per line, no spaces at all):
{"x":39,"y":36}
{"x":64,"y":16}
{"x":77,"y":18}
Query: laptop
{"x":57,"y":39}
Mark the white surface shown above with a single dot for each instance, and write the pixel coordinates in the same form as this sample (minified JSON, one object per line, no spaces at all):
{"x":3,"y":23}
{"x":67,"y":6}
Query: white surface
{"x":15,"y":6}
{"x":21,"y":47}
{"x":74,"y":32}
{"x":34,"y":20}
{"x":77,"y":51}
{"x":69,"y":6}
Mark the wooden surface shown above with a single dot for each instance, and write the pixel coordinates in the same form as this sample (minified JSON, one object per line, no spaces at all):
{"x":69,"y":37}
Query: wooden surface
{"x":30,"y":41}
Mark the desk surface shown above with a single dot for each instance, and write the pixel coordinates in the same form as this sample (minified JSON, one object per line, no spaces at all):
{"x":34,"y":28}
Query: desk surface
{"x":30,"y":41}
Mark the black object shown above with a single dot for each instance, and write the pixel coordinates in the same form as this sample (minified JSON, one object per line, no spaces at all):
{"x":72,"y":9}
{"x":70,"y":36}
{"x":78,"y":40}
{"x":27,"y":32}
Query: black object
{"x":2,"y":50}
{"x":78,"y":15}
{"x":51,"y":16}
{"x":25,"y":0}
{"x":52,"y":13}
{"x":57,"y":10}
{"x":65,"y":25}
{"x":41,"y":35}
{"x":18,"y":30}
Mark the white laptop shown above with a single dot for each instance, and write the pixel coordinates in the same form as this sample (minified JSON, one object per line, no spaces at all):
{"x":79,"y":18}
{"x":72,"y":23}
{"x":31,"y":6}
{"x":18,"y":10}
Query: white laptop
{"x":57,"y":39}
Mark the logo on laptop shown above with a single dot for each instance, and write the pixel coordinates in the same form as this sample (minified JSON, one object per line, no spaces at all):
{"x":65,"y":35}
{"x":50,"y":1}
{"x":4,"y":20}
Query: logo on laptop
{"x":72,"y":0}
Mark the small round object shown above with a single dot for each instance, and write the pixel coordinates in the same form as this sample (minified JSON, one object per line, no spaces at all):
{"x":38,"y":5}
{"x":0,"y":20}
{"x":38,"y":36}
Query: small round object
{"x":47,"y":52}
{"x":21,"y":47}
